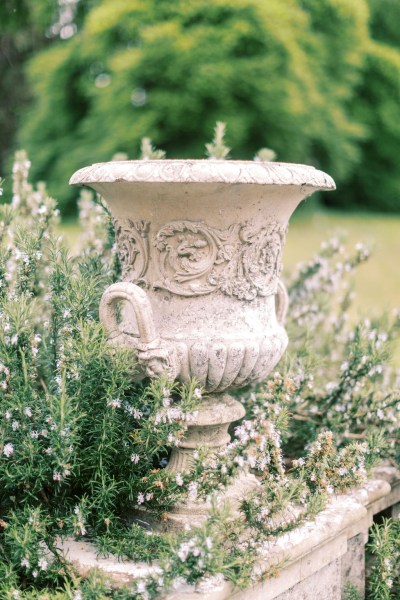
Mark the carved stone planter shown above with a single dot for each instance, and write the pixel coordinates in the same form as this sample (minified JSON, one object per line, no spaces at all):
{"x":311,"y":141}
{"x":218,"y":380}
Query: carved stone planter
{"x":200,"y":243}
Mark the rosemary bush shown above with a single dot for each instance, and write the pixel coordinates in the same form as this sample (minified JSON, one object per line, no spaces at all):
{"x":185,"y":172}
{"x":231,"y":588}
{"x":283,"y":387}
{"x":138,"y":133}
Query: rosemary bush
{"x":384,"y":579}
{"x":80,"y":442}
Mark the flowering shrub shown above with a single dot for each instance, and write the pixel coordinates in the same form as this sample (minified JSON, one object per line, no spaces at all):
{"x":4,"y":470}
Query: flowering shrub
{"x":340,"y":370}
{"x":384,"y":579}
{"x":80,"y":442}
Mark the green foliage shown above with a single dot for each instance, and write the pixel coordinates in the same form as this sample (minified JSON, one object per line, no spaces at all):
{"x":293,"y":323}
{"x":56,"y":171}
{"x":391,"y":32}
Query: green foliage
{"x":351,"y":592}
{"x":376,"y":106}
{"x":339,"y":370}
{"x":278,"y":74}
{"x":317,"y":80}
{"x":384,"y":579}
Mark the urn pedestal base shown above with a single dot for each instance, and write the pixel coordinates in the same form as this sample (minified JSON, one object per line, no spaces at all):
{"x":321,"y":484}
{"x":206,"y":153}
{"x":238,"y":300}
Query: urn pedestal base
{"x":208,"y":429}
{"x":195,"y":513}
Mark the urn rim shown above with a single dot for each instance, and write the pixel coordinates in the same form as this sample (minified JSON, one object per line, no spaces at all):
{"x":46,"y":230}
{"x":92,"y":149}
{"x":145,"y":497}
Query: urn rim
{"x":203,"y":171}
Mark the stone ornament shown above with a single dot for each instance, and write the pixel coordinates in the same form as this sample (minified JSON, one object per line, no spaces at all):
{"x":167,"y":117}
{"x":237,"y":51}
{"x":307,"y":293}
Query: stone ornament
{"x":200,"y":244}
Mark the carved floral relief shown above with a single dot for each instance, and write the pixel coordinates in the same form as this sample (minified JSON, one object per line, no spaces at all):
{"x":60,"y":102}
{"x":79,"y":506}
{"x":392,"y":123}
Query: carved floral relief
{"x":133,"y":248}
{"x":243,"y":260}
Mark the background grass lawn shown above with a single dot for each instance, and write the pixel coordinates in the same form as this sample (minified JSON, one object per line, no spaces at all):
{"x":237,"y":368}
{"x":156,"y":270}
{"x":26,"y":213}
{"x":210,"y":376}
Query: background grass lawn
{"x":377,"y":282}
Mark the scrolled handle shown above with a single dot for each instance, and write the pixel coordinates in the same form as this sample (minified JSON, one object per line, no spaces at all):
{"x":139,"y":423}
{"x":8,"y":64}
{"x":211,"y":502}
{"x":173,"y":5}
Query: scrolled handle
{"x":157,"y":356}
{"x":281,"y":302}
{"x":138,"y":300}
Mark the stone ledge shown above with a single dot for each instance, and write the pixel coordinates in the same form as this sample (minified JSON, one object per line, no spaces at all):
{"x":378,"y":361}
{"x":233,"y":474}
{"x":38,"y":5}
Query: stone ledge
{"x":316,"y":546}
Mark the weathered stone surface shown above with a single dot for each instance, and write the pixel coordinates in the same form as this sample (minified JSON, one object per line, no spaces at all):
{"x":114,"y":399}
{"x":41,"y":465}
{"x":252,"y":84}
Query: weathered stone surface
{"x":322,"y":585}
{"x":83,"y":556}
{"x":353,"y":563}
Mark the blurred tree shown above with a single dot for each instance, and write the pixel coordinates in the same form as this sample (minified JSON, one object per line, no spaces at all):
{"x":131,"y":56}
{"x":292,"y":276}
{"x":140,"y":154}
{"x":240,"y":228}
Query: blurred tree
{"x":26,"y":27}
{"x":19,"y":35}
{"x":375,"y":183}
{"x":280,"y":74}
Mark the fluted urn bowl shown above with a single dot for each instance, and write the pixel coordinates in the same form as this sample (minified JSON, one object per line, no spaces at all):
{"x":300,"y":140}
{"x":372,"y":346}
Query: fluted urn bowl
{"x":200,"y":244}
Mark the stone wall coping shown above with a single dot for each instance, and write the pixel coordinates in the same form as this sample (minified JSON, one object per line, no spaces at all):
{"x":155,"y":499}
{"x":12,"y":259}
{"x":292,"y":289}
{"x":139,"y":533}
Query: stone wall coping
{"x":387,"y":472}
{"x":304,"y":550}
{"x":203,"y":171}
{"x":370,"y":492}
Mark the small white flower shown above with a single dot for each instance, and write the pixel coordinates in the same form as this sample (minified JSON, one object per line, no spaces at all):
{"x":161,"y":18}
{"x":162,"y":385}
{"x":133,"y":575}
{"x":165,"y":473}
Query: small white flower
{"x":8,"y":450}
{"x":28,"y":411}
{"x":7,"y":415}
{"x":34,"y":434}
{"x":35,"y":573}
{"x":135,"y":458}
{"x":15,"y":425}
{"x":192,"y":490}
{"x":25,"y":563}
{"x":172,"y":439}
{"x":178,"y":479}
{"x":43,"y":563}
{"x":57,"y":476}
{"x":116,"y":403}
{"x":140,"y":498}
{"x":197,"y":393}
{"x":141,"y":587}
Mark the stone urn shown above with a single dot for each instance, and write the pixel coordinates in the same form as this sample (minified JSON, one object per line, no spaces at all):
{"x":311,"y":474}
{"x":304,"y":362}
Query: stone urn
{"x":200,"y":244}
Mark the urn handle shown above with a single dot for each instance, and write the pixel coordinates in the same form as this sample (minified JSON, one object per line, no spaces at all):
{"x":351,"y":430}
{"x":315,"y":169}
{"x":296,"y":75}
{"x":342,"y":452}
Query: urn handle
{"x":157,"y":356}
{"x":281,"y":302}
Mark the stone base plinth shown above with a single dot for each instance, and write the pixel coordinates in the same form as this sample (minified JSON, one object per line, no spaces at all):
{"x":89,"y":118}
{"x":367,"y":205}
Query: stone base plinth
{"x":195,"y":513}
